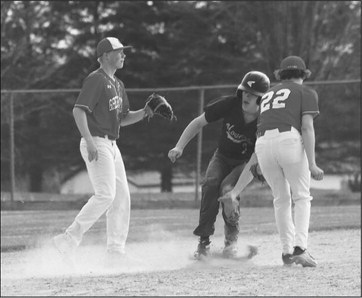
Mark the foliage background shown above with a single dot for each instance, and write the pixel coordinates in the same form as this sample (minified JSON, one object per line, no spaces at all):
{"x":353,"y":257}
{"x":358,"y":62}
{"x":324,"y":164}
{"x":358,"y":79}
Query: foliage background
{"x":51,"y":45}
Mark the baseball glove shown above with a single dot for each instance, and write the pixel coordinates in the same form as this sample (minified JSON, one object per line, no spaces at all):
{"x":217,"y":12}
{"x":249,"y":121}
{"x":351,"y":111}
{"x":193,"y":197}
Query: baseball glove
{"x":160,"y":106}
{"x":255,"y":170}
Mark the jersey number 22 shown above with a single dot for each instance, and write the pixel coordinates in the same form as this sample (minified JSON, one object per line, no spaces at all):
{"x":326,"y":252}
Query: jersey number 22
{"x":274,"y":100}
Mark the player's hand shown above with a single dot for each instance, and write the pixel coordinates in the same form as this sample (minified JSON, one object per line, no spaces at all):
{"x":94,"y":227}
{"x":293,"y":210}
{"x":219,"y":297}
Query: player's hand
{"x":174,"y":154}
{"x":229,"y":197}
{"x":316,"y":172}
{"x":92,"y":151}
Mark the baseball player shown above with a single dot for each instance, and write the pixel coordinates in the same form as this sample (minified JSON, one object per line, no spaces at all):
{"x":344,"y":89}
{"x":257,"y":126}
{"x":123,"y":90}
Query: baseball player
{"x":239,"y":114}
{"x":285,"y":152}
{"x":100,"y":109}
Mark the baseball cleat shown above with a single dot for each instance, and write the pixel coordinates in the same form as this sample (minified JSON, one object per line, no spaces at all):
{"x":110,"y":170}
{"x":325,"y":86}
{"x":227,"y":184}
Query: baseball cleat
{"x":287,"y":259}
{"x":230,"y":250}
{"x":253,"y":251}
{"x":66,"y":248}
{"x":203,"y":249}
{"x":64,"y":244}
{"x":303,"y":258}
{"x":114,"y":259}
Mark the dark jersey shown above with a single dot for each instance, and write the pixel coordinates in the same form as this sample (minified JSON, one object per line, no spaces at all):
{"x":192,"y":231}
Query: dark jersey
{"x":237,"y":138}
{"x":284,"y":105}
{"x":105,"y":101}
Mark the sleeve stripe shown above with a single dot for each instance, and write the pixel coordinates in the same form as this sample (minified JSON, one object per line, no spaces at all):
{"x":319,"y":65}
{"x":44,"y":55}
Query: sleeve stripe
{"x":310,"y":112}
{"x":83,"y":107}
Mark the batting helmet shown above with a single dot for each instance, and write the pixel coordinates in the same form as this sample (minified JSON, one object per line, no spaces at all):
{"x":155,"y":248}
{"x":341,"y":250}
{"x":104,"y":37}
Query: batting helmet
{"x":254,"y":82}
{"x":292,"y":63}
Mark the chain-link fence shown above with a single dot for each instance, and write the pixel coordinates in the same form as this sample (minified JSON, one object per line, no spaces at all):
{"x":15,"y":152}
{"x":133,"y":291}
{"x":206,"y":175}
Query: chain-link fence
{"x":40,"y":141}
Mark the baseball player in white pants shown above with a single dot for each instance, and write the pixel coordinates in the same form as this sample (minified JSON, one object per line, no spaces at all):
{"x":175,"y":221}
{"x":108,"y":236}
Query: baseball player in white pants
{"x":285,"y":151}
{"x":111,"y":193}
{"x":101,"y":108}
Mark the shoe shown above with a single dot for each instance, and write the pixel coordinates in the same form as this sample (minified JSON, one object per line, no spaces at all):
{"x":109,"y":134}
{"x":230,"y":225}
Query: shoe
{"x":64,"y":244}
{"x":287,"y":259}
{"x":230,"y":250}
{"x":253,"y":251}
{"x":66,"y":247}
{"x":116,"y":250}
{"x":303,"y":257}
{"x":114,"y":258}
{"x":203,"y":249}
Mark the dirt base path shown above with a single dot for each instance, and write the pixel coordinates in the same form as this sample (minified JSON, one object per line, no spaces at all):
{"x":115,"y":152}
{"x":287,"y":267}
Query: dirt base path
{"x":166,"y":268}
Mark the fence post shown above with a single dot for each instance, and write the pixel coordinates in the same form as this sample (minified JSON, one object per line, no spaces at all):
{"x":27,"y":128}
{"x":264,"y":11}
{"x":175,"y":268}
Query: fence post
{"x":199,"y":147}
{"x":12,"y":150}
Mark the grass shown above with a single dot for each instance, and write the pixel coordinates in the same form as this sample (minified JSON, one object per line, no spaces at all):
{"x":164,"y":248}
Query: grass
{"x":254,"y":195}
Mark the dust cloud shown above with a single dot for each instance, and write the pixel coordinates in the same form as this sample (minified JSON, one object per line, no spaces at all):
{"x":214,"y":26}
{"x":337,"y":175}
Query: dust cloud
{"x":159,"y":250}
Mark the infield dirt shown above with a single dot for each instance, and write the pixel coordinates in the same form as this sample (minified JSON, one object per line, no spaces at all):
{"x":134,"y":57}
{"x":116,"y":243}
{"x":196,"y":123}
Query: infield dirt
{"x":165,"y":268}
{"x":158,"y":258}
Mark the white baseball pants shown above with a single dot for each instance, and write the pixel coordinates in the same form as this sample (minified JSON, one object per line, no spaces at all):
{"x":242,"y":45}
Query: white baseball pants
{"x":111,"y":194}
{"x":284,"y":164}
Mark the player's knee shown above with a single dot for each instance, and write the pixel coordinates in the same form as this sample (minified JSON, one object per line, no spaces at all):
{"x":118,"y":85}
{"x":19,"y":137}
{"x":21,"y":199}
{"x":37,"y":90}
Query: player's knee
{"x":302,"y":198}
{"x":282,"y":202}
{"x":210,"y":183}
{"x":106,"y":197}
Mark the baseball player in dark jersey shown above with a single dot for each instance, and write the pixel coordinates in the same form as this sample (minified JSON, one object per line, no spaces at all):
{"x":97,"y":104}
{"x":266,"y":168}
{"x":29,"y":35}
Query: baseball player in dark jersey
{"x":239,"y":114}
{"x":100,"y":109}
{"x":285,"y":152}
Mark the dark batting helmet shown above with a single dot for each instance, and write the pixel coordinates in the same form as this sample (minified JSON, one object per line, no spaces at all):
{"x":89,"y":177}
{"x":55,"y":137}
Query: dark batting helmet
{"x":254,"y":82}
{"x":292,"y":63}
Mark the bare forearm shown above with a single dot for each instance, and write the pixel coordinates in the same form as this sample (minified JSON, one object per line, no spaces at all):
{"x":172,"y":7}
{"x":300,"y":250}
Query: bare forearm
{"x":190,"y":132}
{"x":80,"y":118}
{"x":308,"y":137}
{"x":133,"y":117}
{"x":245,"y":177}
{"x":309,"y":144}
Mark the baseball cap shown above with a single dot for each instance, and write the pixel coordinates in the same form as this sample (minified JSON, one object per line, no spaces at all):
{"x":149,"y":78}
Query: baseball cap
{"x":109,"y":44}
{"x":292,"y":62}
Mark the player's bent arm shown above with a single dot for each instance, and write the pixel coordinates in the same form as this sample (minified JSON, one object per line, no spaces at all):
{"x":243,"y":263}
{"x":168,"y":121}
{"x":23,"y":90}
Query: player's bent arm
{"x":191,"y":131}
{"x":309,"y":138}
{"x":245,"y":177}
{"x":80,"y":118}
{"x":133,"y":117}
{"x":309,"y":146}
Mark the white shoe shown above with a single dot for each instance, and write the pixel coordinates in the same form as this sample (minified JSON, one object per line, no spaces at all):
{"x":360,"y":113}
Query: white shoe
{"x":114,"y":258}
{"x":305,"y":259}
{"x":66,"y":247}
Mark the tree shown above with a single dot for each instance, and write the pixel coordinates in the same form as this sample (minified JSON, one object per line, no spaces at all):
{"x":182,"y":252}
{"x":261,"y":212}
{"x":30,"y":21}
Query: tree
{"x":52,"y":44}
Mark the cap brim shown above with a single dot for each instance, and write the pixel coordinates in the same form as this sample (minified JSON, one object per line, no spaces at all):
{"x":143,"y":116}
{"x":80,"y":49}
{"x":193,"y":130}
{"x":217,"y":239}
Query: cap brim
{"x":121,"y":48}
